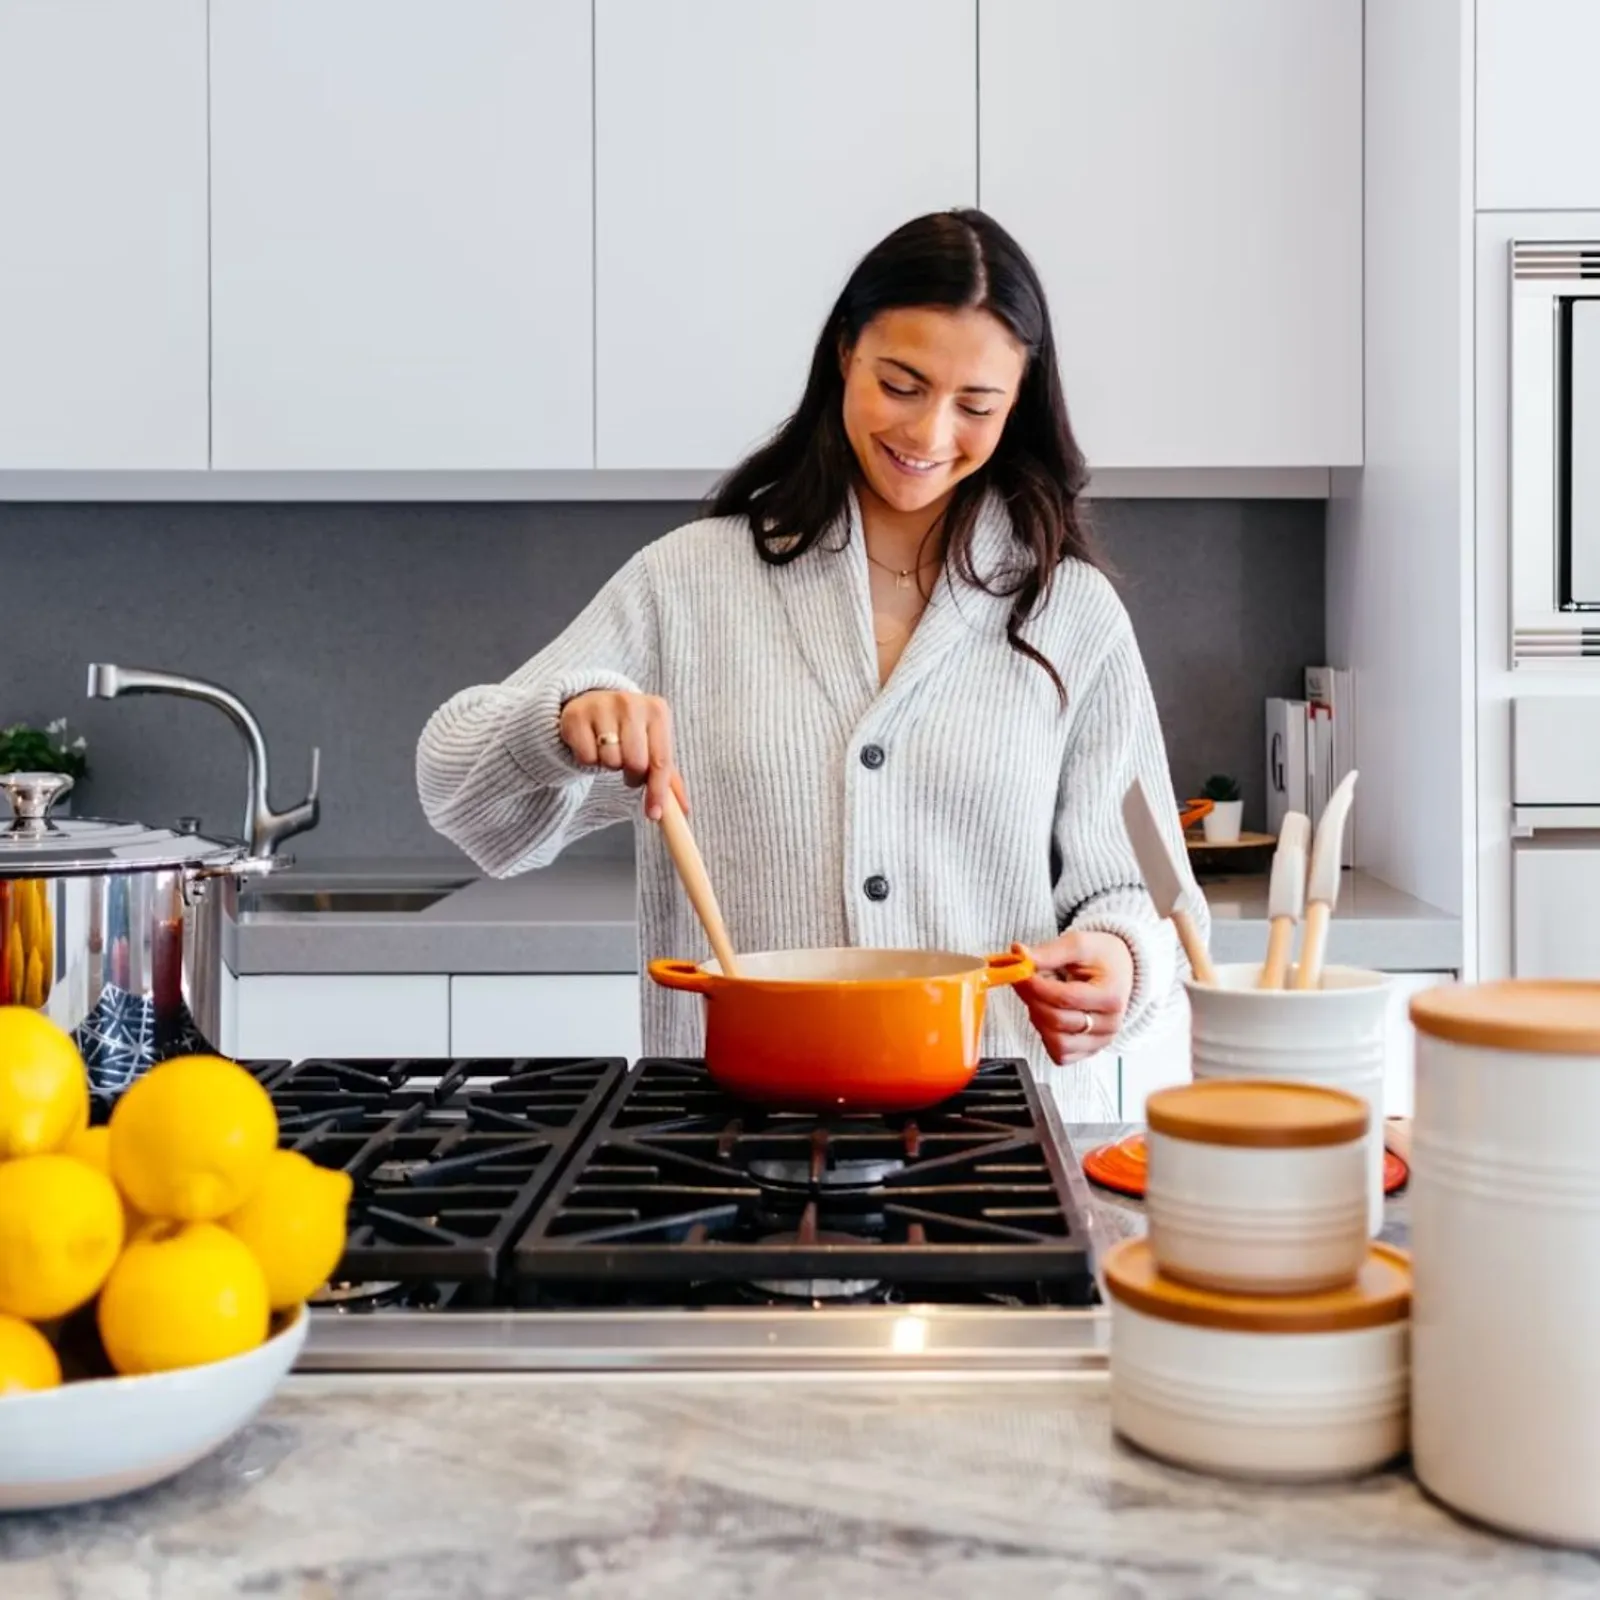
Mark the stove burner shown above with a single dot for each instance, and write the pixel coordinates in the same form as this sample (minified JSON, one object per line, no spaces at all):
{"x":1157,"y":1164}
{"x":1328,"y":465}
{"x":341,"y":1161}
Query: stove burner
{"x":802,"y":1176}
{"x":816,"y":1289}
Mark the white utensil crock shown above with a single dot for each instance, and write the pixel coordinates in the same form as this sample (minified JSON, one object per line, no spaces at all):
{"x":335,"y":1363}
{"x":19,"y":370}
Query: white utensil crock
{"x":1334,"y":1036}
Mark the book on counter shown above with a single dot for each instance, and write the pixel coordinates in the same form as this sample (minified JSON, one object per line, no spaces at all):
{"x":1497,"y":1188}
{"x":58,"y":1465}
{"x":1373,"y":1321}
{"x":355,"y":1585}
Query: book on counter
{"x":1310,"y":747}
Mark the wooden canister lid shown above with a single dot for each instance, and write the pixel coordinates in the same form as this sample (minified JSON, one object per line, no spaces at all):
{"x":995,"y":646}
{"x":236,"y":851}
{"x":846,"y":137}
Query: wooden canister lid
{"x":1543,"y":1016}
{"x":1381,"y":1294}
{"x":1257,"y":1113}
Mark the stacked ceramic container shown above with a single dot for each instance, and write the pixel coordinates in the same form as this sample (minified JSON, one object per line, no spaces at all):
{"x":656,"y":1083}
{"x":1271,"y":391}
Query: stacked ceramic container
{"x":1505,"y":1205}
{"x":1257,"y":1331}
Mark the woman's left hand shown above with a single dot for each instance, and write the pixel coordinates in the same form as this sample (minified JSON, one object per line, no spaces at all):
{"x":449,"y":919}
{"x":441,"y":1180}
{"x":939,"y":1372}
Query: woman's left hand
{"x":1077,"y":998}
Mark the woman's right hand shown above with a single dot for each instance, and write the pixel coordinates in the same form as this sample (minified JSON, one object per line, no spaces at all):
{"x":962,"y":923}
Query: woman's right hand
{"x":626,"y":733}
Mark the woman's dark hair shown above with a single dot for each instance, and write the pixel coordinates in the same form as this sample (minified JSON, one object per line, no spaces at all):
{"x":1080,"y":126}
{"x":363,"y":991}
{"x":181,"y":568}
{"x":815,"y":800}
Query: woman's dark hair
{"x":794,"y":487}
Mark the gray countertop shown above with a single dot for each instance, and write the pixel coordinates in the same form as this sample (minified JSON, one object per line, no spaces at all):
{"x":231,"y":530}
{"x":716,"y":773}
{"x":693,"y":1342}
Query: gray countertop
{"x":455,"y":1488}
{"x":579,"y":916}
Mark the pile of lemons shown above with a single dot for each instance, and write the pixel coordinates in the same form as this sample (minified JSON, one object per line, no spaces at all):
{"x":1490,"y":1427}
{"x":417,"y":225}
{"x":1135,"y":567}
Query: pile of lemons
{"x":182,"y":1216}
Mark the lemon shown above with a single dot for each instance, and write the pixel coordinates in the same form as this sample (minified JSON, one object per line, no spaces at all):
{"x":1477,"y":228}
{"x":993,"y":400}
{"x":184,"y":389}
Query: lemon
{"x":294,"y":1225}
{"x":26,"y":1359}
{"x":60,"y":1230}
{"x":181,"y":1295}
{"x":93,"y":1148}
{"x":190,"y":1140}
{"x":44,"y":1091}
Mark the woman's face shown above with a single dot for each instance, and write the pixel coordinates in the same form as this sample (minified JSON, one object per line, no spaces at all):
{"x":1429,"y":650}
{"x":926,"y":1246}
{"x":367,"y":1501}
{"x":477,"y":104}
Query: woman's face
{"x":926,"y":396}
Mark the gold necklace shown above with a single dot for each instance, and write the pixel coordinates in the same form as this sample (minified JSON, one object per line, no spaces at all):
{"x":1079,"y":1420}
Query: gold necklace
{"x":902,"y":575}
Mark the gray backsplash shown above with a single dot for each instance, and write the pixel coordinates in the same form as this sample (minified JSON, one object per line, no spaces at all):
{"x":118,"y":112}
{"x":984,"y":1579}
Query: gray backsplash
{"x":345,"y":625}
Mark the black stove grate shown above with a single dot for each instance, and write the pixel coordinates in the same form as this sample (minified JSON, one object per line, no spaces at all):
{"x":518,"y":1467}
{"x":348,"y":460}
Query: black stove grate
{"x":679,"y":1182}
{"x":448,"y":1157}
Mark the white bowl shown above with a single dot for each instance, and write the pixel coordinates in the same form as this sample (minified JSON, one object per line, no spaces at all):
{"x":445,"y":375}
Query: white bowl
{"x":109,"y":1436}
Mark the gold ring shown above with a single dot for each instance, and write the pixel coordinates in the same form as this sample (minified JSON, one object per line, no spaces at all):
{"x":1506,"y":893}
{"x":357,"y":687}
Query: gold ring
{"x":1088,"y":1022}
{"x":608,"y":738}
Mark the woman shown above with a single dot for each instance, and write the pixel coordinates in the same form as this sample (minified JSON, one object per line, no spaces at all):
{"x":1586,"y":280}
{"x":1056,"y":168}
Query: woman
{"x":886,"y":668}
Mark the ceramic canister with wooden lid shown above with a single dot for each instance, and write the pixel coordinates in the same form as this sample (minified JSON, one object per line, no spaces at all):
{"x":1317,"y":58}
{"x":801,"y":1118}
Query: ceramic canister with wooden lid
{"x":1287,"y":1387}
{"x":1257,"y":1187}
{"x":1505,"y":1230}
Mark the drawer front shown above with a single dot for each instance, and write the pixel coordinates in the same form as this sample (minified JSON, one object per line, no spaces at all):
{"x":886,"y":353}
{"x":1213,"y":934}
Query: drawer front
{"x":547,"y":1014}
{"x":296,"y":1016}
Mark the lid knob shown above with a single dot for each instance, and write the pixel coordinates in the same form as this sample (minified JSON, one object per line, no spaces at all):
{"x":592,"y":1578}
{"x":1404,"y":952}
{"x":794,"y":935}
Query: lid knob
{"x":31,"y":795}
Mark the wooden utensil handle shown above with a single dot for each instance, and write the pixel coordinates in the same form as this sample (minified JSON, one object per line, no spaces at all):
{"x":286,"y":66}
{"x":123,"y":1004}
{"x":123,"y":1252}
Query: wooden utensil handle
{"x":1194,"y":947}
{"x":1308,"y":975}
{"x":685,"y":855}
{"x":1280,"y":940}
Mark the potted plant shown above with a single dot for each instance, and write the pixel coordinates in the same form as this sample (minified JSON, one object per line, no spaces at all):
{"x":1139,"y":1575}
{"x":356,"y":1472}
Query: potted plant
{"x":28,"y":749}
{"x":1221,"y":822}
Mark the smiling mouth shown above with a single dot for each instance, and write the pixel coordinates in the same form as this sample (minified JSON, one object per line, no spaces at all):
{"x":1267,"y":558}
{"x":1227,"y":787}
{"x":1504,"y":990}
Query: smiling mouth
{"x":912,"y":466}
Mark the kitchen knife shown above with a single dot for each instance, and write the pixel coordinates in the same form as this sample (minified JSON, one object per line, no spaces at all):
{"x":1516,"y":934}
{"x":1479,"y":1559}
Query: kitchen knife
{"x":1162,"y":878}
{"x":1286,"y":896}
{"x":1322,"y":884}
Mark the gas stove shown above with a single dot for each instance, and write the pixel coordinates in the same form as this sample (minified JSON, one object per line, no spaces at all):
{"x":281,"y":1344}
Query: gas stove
{"x":551,"y":1214}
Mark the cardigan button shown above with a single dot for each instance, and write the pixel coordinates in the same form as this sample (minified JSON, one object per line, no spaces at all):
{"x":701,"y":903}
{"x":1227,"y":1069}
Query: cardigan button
{"x":876,"y":887}
{"x":872,"y":756}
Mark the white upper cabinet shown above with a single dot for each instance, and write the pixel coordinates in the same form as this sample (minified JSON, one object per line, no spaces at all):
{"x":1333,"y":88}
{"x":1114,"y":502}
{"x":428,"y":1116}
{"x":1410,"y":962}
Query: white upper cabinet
{"x":1538,"y":139}
{"x":747,"y":155}
{"x":102,"y":234}
{"x":1187,"y":176}
{"x":401,"y":234}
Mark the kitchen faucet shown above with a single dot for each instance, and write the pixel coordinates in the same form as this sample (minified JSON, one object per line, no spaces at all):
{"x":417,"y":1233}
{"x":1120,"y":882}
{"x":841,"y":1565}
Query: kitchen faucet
{"x":264,"y":828}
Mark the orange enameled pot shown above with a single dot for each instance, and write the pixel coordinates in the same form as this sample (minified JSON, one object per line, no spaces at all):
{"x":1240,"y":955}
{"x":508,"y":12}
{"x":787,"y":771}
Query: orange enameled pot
{"x":845,"y":1030}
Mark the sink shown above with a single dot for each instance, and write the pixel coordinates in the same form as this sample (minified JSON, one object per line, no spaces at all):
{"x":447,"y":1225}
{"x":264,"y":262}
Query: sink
{"x":343,"y":902}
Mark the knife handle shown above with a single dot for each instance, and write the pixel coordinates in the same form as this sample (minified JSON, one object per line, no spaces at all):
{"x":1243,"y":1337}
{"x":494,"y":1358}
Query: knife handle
{"x":1194,"y":948}
{"x":1308,"y":975}
{"x":1280,"y":940}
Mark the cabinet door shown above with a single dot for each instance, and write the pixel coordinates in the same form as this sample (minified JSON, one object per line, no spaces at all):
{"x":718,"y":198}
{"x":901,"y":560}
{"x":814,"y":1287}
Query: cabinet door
{"x":1187,"y":176}
{"x":402,"y":234}
{"x":566,"y":1014}
{"x":1538,"y":143}
{"x":279,"y":1016}
{"x":102,"y":234}
{"x":1555,"y":932}
{"x":1399,"y":1068}
{"x":746,"y":156}
{"x":1158,"y":1061}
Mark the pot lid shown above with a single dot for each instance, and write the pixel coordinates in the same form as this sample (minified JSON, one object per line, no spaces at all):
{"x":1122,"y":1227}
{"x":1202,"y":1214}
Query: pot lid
{"x":1543,"y":1016}
{"x":1257,"y":1114}
{"x":33,"y":844}
{"x":1380,"y":1294}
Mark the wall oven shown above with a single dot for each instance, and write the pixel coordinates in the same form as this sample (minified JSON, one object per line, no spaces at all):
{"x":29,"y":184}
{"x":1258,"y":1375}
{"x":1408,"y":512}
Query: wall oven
{"x":1555,"y":452}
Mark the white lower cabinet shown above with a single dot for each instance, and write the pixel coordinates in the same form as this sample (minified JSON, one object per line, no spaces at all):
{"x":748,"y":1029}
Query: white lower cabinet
{"x":546,"y":1014}
{"x":1157,"y":1061}
{"x":1399,"y":1060}
{"x":282,"y":1016}
{"x":1162,"y":1059}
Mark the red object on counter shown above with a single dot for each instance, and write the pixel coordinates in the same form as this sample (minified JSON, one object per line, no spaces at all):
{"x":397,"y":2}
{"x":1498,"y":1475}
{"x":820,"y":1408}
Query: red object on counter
{"x":1121,"y":1167}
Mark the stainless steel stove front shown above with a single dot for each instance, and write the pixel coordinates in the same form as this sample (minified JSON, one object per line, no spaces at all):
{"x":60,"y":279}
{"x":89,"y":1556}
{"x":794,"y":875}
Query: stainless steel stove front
{"x":887,"y":1341}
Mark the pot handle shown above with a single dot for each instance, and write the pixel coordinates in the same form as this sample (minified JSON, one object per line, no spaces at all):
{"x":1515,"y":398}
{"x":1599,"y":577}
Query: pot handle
{"x":1015,"y":966}
{"x":681,"y":975}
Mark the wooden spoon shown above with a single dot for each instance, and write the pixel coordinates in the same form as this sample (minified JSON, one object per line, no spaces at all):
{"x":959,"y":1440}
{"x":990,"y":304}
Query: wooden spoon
{"x":685,"y":855}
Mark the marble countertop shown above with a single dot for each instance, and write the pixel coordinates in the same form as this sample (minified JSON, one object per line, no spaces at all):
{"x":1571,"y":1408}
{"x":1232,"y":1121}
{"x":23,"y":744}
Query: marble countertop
{"x":449,"y":1488}
{"x":579,"y":916}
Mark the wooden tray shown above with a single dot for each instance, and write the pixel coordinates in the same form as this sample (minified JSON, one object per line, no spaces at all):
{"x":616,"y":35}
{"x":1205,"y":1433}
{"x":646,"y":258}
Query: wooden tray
{"x":1250,"y":852}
